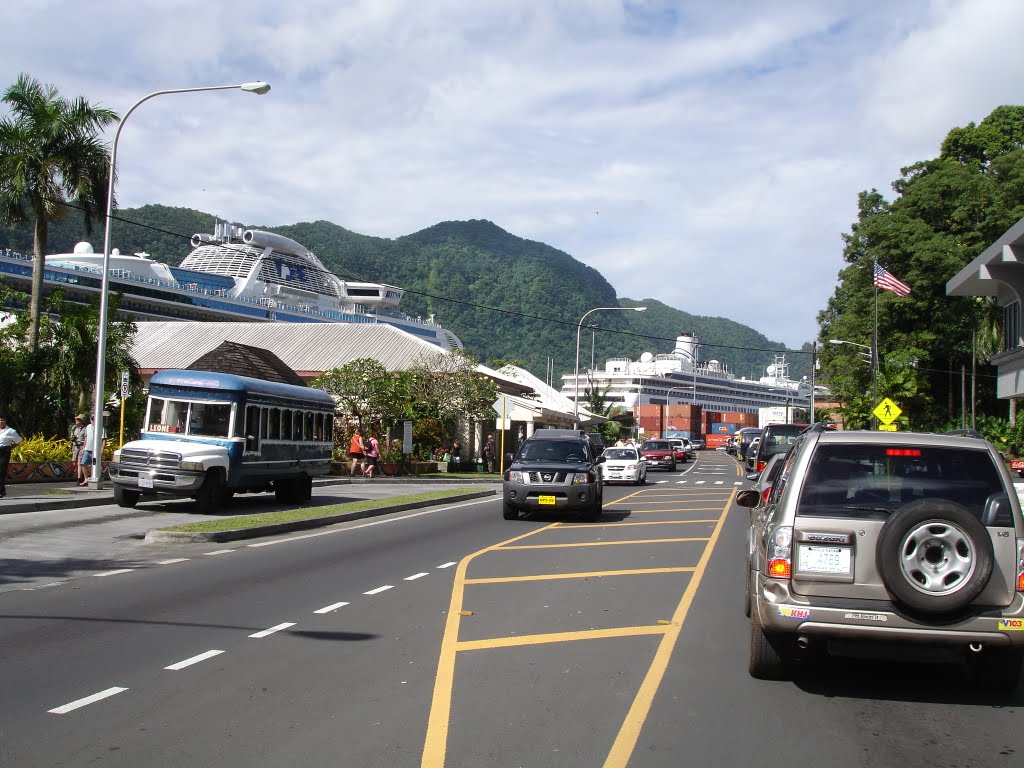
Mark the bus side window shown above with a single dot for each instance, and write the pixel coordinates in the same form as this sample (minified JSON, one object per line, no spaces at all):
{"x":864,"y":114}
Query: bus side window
{"x":274,"y":433}
{"x":310,"y":421}
{"x":252,"y":428}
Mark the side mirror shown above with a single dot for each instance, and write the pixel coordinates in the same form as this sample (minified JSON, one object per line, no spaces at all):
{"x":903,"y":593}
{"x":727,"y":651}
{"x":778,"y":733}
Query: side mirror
{"x":748,"y":499}
{"x":752,"y":475}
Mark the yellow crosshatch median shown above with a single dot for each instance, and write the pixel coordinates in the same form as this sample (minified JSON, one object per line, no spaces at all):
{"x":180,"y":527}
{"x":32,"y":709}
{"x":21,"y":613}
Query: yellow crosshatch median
{"x":887,"y":411}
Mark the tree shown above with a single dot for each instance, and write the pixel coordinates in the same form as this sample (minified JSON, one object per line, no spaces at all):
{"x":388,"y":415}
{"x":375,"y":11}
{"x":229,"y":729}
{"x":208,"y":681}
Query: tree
{"x":50,"y":155}
{"x":366,"y":391}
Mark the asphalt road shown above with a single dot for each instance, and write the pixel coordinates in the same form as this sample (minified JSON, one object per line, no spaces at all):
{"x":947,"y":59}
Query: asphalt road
{"x":448,"y":636}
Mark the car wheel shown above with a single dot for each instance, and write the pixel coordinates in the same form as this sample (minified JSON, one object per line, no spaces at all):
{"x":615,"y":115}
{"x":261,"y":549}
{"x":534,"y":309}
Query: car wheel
{"x":509,"y":512}
{"x":595,"y":510}
{"x":125,"y":498}
{"x":934,"y":556}
{"x":997,"y":669}
{"x":767,"y":659}
{"x":208,"y":498}
{"x":747,"y":592}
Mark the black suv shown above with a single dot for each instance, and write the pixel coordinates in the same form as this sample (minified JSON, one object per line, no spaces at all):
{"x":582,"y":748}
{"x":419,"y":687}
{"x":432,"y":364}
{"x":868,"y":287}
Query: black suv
{"x":553,"y":469}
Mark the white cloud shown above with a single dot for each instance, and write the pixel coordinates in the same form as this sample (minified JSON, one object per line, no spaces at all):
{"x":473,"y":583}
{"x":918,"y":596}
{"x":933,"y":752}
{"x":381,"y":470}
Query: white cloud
{"x":688,"y":151}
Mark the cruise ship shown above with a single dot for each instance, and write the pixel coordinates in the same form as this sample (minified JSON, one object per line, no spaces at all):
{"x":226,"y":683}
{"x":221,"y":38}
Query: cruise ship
{"x":233,"y":274}
{"x":679,"y":378}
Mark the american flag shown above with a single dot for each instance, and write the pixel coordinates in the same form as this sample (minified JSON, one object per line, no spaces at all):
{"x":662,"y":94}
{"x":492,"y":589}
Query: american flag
{"x":887,"y":282}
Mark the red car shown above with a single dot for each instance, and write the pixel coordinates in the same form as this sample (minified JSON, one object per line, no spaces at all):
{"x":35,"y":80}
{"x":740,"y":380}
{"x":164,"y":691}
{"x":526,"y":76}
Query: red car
{"x":659,"y":454}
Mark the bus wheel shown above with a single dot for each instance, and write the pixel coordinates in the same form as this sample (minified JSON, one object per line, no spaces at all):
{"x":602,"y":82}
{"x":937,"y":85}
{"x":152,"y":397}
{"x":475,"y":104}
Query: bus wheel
{"x":306,"y":486}
{"x":125,"y":498}
{"x":287,"y":491}
{"x":209,"y":498}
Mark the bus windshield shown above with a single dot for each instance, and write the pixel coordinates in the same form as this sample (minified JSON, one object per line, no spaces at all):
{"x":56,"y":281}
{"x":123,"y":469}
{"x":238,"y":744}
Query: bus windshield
{"x":183,"y":417}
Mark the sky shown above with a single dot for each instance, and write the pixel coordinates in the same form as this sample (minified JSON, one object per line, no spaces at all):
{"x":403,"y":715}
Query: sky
{"x":692,"y":152}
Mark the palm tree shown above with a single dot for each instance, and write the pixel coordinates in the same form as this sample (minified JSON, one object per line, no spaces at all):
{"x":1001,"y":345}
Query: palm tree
{"x":50,"y":155}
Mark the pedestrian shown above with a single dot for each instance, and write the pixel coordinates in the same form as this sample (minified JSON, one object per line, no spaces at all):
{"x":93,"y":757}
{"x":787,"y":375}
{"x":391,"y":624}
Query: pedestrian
{"x":8,"y":439}
{"x":489,"y":453}
{"x":456,"y":452}
{"x":88,"y":456}
{"x":371,"y":453}
{"x":77,"y":437}
{"x":356,"y":451}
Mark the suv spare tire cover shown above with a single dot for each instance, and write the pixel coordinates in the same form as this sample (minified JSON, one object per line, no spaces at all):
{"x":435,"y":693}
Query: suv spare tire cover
{"x":934,"y":556}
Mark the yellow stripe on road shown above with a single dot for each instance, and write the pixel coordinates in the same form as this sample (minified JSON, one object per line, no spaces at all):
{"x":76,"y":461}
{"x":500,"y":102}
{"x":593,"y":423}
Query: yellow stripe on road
{"x":586,"y":575}
{"x":595,"y":544}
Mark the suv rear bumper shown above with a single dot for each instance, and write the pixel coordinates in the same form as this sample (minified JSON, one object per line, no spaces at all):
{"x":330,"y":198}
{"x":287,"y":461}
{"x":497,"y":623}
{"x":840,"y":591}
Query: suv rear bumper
{"x":1003,"y":627}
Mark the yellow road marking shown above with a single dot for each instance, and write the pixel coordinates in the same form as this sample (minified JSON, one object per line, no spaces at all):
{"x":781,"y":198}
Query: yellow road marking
{"x":586,"y":575}
{"x":625,"y":742}
{"x":646,"y":522}
{"x":596,"y":544}
{"x":559,"y":637}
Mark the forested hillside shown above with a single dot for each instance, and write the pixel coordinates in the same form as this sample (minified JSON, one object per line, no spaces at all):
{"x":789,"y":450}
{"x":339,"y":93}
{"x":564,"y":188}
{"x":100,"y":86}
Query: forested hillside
{"x":507,"y":298}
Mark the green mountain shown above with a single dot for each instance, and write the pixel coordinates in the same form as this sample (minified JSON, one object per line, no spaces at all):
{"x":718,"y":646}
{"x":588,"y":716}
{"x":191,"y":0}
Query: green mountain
{"x":507,"y":298}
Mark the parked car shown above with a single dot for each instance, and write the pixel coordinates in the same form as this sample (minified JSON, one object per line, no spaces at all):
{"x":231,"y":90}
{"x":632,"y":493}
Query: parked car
{"x":624,"y":465}
{"x":682,"y":448}
{"x":886,"y":544}
{"x":742,"y":441}
{"x":775,"y":438}
{"x":659,"y":454}
{"x":553,"y":471}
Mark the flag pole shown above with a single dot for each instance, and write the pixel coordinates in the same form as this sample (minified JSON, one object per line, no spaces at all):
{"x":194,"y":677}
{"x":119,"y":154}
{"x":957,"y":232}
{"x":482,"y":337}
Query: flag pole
{"x":874,"y":346}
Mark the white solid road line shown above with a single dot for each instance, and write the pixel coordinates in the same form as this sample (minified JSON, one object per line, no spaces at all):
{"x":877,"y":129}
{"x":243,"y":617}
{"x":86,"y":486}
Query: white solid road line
{"x":194,"y":660}
{"x":378,"y":590}
{"x":415,"y":576}
{"x":329,"y":608}
{"x":114,"y":573}
{"x":172,"y":561}
{"x":272,"y":630}
{"x":86,"y":701}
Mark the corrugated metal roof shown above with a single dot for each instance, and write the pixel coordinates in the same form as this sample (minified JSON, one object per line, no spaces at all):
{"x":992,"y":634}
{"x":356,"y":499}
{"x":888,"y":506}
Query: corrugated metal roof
{"x":305,"y":347}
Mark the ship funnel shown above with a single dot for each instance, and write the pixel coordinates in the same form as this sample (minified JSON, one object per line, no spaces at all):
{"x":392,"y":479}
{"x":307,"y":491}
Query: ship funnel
{"x":686,"y":347}
{"x":270,"y":240}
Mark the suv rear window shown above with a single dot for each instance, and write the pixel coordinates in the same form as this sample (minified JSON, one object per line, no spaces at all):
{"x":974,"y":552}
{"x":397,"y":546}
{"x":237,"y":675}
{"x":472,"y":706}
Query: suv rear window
{"x":847,"y":480}
{"x":777,"y":438}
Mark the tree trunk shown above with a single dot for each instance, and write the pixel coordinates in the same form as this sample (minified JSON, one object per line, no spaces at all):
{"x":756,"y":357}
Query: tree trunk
{"x":38,"y":264}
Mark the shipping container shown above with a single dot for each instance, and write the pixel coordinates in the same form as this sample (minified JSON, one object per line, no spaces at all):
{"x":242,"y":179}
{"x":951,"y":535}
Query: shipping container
{"x":712,"y":441}
{"x":721,"y":428}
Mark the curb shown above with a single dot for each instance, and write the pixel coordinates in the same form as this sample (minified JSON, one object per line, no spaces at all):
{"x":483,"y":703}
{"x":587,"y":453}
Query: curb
{"x":188,"y":537}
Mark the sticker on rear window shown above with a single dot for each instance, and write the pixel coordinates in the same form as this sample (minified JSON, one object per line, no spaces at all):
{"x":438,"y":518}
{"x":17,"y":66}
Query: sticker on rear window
{"x":794,"y":613}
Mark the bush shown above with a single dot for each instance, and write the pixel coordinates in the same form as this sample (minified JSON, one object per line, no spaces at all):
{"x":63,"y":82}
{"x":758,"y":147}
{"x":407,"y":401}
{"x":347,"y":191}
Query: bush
{"x":38,"y":450}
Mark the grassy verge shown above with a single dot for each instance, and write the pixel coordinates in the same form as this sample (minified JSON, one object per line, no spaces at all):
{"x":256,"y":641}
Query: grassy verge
{"x":310,"y":513}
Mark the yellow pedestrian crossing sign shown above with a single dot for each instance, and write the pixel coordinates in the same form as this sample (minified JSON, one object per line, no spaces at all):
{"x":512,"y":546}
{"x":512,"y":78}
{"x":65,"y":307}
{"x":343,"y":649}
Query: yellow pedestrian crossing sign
{"x":887,"y":411}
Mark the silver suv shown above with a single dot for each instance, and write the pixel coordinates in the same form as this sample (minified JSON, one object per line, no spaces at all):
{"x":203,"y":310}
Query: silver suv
{"x":878,"y":544}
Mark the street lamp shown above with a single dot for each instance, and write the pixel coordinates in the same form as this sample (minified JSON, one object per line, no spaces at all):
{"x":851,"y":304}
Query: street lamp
{"x":576,"y":371}
{"x":258,"y":88}
{"x":873,"y":354}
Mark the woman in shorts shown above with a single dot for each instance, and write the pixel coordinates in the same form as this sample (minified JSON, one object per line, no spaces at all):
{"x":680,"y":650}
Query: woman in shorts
{"x":356,"y":451}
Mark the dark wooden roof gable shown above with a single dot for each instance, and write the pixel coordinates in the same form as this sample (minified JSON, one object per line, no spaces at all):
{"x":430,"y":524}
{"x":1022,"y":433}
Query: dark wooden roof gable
{"x":243,"y":360}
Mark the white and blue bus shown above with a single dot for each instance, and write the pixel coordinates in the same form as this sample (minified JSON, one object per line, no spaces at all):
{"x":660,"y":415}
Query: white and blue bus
{"x":210,"y":435}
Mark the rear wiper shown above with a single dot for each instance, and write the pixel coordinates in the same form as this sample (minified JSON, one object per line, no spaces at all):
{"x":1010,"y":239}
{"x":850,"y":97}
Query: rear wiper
{"x":886,"y":510}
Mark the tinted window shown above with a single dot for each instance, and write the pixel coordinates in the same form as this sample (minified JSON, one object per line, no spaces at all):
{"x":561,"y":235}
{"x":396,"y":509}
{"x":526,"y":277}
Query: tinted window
{"x":656,"y":445}
{"x":554,"y":450}
{"x":872,"y":480}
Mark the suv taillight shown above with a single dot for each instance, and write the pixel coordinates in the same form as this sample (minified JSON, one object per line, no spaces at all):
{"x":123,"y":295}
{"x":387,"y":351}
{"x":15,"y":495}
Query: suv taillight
{"x":780,"y":553}
{"x":1020,"y":565}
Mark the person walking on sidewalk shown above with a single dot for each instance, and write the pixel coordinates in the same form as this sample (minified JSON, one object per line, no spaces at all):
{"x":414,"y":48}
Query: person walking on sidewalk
{"x":356,"y":451}
{"x":371,"y":453}
{"x":8,"y":439}
{"x":77,"y":437}
{"x":87,"y":458}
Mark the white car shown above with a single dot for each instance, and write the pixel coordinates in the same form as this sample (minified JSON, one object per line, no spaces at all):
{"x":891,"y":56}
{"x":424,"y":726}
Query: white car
{"x":623,"y":465}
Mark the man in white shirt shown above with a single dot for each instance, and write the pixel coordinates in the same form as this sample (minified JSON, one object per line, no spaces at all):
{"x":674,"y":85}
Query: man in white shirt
{"x":8,"y":439}
{"x":87,"y":454}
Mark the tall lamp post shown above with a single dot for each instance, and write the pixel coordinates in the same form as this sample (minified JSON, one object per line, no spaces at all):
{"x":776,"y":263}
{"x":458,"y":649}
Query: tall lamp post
{"x":258,"y":88}
{"x":576,"y":370}
{"x":872,"y":354}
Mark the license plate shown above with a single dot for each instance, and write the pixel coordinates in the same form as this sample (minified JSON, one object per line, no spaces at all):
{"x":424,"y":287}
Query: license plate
{"x":614,"y":475}
{"x":145,"y":481}
{"x":546,"y":500}
{"x":832,"y":560}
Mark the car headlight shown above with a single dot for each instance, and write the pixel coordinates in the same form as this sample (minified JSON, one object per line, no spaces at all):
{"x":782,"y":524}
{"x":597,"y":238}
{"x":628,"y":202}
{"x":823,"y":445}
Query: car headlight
{"x":117,"y":456}
{"x":193,"y":466}
{"x":581,"y":478}
{"x":515,"y":476}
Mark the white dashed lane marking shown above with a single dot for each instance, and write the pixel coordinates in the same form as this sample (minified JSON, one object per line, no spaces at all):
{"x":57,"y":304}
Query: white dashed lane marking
{"x":329,"y":608}
{"x":219,"y":552}
{"x":447,"y":565}
{"x":114,"y":573}
{"x":415,"y":576}
{"x":86,"y":701}
{"x":378,"y":590}
{"x":172,"y":561}
{"x":274,"y":629}
{"x":194,"y":660}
